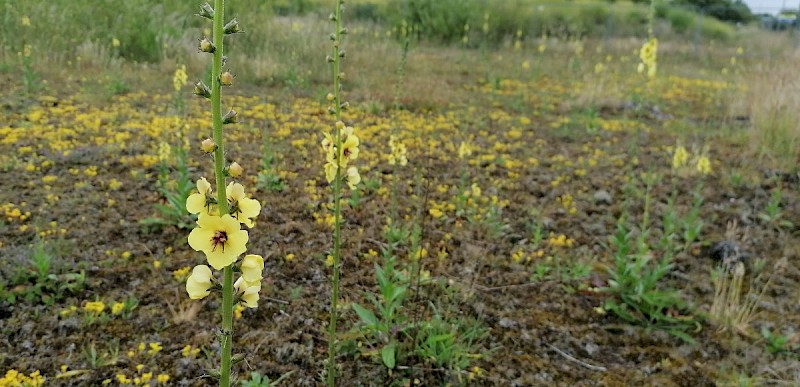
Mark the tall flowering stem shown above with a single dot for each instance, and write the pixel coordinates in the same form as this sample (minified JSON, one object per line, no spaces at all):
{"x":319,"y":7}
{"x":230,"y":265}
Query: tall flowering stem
{"x":219,"y":173}
{"x":341,"y":146}
{"x":220,"y":216}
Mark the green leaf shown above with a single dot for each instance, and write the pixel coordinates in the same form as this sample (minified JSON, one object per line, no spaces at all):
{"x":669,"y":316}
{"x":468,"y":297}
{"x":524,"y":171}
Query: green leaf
{"x":366,"y":315}
{"x":388,"y":355}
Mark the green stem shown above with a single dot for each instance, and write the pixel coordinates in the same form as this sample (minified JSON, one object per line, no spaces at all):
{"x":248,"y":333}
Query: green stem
{"x":337,"y":204}
{"x":222,"y":200}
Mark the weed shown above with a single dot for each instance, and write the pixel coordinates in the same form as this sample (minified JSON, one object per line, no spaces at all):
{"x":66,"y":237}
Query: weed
{"x":772,"y":214}
{"x":385,"y":322}
{"x":175,"y":192}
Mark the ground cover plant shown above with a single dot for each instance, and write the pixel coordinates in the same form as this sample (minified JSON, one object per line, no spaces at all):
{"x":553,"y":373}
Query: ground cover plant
{"x":435,"y":199}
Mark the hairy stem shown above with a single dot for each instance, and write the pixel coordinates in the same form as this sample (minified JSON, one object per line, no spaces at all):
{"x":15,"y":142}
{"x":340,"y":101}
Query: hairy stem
{"x":337,"y":203}
{"x":222,"y":200}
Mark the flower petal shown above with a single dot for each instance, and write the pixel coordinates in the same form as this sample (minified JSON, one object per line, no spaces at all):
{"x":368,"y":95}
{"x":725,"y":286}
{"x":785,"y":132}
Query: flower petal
{"x":195,"y":203}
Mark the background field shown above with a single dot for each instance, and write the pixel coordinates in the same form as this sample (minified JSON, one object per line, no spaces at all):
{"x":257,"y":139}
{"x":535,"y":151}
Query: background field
{"x":569,"y":247}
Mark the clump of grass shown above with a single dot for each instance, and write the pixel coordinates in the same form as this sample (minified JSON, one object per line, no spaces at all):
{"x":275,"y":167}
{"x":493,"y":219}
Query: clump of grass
{"x":772,"y":96}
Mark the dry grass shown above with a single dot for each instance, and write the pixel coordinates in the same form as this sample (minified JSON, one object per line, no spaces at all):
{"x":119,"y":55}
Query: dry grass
{"x":771,"y":99}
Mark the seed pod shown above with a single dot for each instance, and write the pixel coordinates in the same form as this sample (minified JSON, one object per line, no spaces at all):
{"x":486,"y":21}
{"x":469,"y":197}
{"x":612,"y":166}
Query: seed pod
{"x":207,"y":46}
{"x":230,"y":117}
{"x":226,"y":79}
{"x":232,"y":27}
{"x":206,"y":11}
{"x":202,"y":90}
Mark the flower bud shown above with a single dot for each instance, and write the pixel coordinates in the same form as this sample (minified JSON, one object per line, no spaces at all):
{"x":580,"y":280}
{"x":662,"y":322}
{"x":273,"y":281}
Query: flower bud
{"x":332,"y":17}
{"x":330,"y":97}
{"x":343,"y":31}
{"x":208,"y":145}
{"x":226,"y":78}
{"x":342,"y":54}
{"x":202,"y":90}
{"x":252,"y":267}
{"x":332,"y":37}
{"x":199,"y":283}
{"x":235,"y":170}
{"x":207,"y":46}
{"x":230,"y":117}
{"x":232,"y":27}
{"x":331,"y":110}
{"x":340,"y":125}
{"x":206,"y":11}
{"x":345,"y":105}
{"x":328,"y":59}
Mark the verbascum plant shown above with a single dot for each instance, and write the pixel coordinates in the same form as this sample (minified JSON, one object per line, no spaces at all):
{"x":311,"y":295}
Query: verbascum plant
{"x":341,"y":146}
{"x":219,"y":234}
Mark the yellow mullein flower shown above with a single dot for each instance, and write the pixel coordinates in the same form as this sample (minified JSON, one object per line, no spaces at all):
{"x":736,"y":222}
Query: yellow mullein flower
{"x":180,"y":78}
{"x":95,"y":307}
{"x":249,"y":292}
{"x":352,"y":177}
{"x":220,"y":238}
{"x":201,"y":200}
{"x":464,"y":150}
{"x":680,"y":157}
{"x":252,"y":267}
{"x":26,"y":21}
{"x":703,"y":165}
{"x":397,"y":156}
{"x":241,"y":207}
{"x":199,"y":283}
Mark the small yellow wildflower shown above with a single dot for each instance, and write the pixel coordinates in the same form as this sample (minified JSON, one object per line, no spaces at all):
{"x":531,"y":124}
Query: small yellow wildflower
{"x":162,"y":378}
{"x":94,"y":307}
{"x":680,"y":157}
{"x":154,"y":348}
{"x":117,"y":308}
{"x":199,"y":283}
{"x":703,"y":165}
{"x":26,"y":21}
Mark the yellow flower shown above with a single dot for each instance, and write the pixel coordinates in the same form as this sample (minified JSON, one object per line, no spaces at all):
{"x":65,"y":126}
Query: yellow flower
{"x":703,"y":165}
{"x":252,"y":266}
{"x":353,"y":178}
{"x":180,"y":78}
{"x":330,"y":171}
{"x":115,"y":42}
{"x":26,"y":21}
{"x":680,"y":157}
{"x":249,"y":292}
{"x":95,"y":307}
{"x":117,"y":308}
{"x":220,"y":238}
{"x":241,"y":207}
{"x":199,"y":283}
{"x":203,"y":199}
{"x":464,"y":150}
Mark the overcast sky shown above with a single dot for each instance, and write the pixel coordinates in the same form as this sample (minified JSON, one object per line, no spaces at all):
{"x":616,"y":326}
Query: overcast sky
{"x":770,"y":6}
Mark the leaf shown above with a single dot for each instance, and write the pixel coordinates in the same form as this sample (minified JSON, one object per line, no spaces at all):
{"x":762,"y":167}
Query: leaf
{"x":388,"y":355}
{"x":366,"y":315}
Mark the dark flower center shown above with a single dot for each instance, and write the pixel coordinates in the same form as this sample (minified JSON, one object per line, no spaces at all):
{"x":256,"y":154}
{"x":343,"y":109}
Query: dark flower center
{"x":219,"y":238}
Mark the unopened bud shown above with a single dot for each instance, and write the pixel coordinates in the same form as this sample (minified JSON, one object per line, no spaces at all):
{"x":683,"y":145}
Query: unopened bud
{"x":345,"y":105}
{"x":237,"y":358}
{"x":328,"y":59}
{"x":235,"y":170}
{"x":341,"y":54}
{"x":332,"y":17}
{"x":343,"y":31}
{"x":331,"y":110}
{"x":208,"y":145}
{"x":332,"y":37}
{"x":207,"y":46}
{"x":206,"y":11}
{"x":230,"y":117}
{"x":341,"y":76}
{"x":232,"y":27}
{"x":226,"y":79}
{"x":330,"y":97}
{"x":340,"y":125}
{"x":202,"y":90}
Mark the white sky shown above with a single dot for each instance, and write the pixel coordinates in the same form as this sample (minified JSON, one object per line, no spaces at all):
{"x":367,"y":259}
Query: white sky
{"x":771,"y":6}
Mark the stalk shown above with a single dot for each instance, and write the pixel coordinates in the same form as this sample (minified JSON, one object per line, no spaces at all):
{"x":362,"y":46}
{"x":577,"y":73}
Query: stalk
{"x":337,"y":202}
{"x":222,"y":200}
